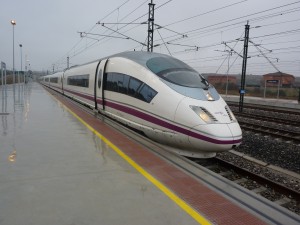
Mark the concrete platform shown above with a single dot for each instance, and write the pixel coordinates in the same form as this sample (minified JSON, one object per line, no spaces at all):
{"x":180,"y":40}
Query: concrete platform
{"x":53,"y":170}
{"x":60,"y":165}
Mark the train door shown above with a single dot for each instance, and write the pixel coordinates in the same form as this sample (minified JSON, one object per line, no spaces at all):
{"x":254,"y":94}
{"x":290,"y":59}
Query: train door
{"x":97,"y":82}
{"x":99,"y":85}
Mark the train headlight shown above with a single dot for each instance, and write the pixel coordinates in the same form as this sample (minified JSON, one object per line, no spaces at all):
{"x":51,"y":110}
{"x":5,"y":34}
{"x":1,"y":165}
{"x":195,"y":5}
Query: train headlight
{"x":209,"y":96}
{"x":203,"y":114}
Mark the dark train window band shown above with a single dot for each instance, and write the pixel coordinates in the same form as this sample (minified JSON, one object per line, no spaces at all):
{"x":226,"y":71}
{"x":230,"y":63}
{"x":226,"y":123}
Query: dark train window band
{"x":128,"y":85}
{"x":79,"y":80}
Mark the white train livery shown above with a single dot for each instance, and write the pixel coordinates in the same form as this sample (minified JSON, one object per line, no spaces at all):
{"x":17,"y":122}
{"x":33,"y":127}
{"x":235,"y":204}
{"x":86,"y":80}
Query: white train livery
{"x":158,"y":95}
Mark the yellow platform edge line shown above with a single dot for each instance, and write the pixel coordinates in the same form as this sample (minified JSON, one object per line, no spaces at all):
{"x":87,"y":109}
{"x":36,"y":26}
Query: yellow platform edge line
{"x":193,"y":213}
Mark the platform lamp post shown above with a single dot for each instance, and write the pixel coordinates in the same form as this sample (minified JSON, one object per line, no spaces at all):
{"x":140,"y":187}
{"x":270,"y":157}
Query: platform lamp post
{"x":13,"y":23}
{"x":21,"y":59}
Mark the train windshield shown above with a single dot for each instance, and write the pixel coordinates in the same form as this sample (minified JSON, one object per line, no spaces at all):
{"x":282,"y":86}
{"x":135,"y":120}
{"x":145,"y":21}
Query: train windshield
{"x":182,"y":78}
{"x":176,"y":72}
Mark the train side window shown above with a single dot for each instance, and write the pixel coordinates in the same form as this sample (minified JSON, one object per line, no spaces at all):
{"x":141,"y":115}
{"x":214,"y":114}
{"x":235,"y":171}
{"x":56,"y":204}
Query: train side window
{"x":124,"y":89}
{"x":118,"y":82}
{"x":133,"y":86}
{"x":109,"y":81}
{"x":114,"y":84}
{"x":54,"y":79}
{"x":146,"y":93}
{"x":79,"y":80}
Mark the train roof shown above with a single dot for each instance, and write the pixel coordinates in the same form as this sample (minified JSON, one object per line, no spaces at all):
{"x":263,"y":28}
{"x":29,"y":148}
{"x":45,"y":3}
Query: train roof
{"x":150,"y":60}
{"x":140,"y":56}
{"x":156,"y":62}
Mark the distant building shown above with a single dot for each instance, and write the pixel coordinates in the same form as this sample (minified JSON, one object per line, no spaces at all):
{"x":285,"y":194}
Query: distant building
{"x":221,"y":79}
{"x":283,"y":79}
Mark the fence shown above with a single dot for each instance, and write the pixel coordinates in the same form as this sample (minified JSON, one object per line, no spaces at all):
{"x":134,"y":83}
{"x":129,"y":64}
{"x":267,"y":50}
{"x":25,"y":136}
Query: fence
{"x":267,"y":92}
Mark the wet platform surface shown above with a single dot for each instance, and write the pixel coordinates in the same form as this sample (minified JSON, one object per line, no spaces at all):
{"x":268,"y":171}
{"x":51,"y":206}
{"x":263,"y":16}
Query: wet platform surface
{"x":62,"y":165}
{"x":53,"y":170}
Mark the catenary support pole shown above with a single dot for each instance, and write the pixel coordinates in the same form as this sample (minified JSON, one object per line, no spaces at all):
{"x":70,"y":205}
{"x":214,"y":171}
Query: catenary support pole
{"x":243,"y":78}
{"x":150,"y":26}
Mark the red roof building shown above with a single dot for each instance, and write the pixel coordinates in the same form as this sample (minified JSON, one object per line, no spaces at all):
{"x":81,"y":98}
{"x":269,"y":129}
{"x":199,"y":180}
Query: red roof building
{"x":278,"y":78}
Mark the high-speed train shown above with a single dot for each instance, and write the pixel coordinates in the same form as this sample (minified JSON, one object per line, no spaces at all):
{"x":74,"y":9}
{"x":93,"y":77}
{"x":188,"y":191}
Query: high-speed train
{"x":167,"y":100}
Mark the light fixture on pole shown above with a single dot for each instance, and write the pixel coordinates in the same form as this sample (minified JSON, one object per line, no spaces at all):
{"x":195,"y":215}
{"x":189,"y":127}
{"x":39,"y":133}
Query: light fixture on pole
{"x":21,"y":59}
{"x":13,"y":22}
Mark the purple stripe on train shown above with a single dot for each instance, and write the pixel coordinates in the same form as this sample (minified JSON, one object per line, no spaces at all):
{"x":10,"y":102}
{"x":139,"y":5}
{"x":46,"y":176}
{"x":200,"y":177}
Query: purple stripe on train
{"x":155,"y":120}
{"x":167,"y":125}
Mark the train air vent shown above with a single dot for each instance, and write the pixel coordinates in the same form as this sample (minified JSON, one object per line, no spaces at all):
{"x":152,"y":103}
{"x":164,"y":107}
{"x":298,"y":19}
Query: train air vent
{"x":230,"y":114}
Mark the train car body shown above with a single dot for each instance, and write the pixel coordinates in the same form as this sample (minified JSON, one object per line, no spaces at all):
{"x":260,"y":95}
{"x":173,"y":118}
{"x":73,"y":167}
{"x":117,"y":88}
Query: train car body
{"x":54,"y":81}
{"x":158,"y":95}
{"x":78,"y":83}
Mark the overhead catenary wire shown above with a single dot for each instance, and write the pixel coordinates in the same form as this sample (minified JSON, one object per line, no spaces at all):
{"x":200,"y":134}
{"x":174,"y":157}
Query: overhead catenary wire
{"x":238,"y":54}
{"x":127,"y":37}
{"x":98,"y":41}
{"x":89,"y":30}
{"x":256,"y":46}
{"x":226,"y":6}
{"x":117,"y":9}
{"x":243,"y":18}
{"x":282,"y":42}
{"x":177,"y":40}
{"x":236,"y":25}
{"x":164,"y":42}
{"x":84,"y":34}
{"x":214,"y":10}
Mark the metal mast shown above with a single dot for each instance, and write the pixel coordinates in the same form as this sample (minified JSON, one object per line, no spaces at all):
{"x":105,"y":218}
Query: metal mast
{"x":150,"y":27}
{"x":243,"y":78}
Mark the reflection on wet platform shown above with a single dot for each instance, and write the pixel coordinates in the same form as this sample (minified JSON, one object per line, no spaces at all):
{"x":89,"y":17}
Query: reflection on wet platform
{"x":54,"y":170}
{"x":15,"y":103}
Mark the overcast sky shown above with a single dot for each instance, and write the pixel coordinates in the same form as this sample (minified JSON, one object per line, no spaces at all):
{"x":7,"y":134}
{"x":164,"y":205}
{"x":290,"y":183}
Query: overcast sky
{"x":194,"y":31}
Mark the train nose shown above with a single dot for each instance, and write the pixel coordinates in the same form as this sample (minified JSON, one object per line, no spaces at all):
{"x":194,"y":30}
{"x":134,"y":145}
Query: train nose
{"x":235,"y":131}
{"x":216,"y":137}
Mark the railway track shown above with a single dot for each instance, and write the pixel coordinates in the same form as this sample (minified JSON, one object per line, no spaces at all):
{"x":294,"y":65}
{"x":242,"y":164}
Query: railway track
{"x":295,"y":112}
{"x":275,"y":122}
{"x":270,"y":189}
{"x":282,"y":133}
{"x":269,"y":119}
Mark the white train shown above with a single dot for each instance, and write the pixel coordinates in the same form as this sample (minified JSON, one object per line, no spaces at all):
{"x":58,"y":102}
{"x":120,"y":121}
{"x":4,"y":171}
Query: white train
{"x":158,"y":95}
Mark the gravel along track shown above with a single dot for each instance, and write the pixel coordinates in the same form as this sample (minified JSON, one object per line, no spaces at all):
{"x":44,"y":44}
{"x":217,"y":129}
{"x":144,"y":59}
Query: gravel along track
{"x":271,"y":151}
{"x":266,"y":172}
